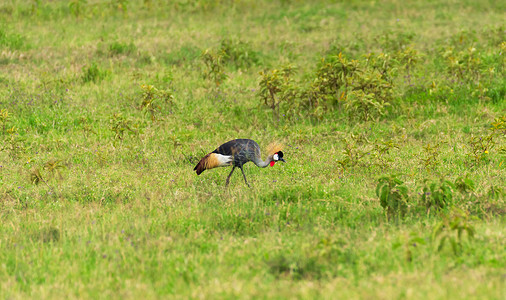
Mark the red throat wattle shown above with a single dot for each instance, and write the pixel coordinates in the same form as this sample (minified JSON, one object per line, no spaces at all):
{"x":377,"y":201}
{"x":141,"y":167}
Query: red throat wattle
{"x":272,"y":163}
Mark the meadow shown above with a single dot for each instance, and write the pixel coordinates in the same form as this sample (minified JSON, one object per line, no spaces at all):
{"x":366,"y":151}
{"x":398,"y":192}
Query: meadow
{"x":392,"y":113}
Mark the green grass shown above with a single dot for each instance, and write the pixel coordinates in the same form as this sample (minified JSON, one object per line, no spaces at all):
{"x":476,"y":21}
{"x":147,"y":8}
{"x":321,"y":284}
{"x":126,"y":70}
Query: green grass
{"x":97,"y":194}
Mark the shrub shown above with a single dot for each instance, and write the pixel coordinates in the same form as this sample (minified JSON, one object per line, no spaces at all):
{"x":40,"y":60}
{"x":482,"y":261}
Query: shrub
{"x":94,"y":74}
{"x":11,"y":41}
{"x":214,"y":62}
{"x":239,"y":54}
{"x":275,"y":87}
{"x":117,"y":48}
{"x":362,"y":88}
{"x":437,"y":194}
{"x":153,"y":99}
{"x":451,"y":230}
{"x":393,"y":194}
{"x":230,"y":53}
{"x":120,"y":125}
{"x":479,"y":147}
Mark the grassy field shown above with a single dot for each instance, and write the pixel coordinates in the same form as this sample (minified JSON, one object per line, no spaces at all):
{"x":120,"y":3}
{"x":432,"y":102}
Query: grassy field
{"x":392,"y":113}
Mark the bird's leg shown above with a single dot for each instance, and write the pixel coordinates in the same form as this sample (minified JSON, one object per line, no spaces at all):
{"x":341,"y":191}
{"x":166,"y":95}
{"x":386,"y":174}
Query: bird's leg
{"x":229,"y":175}
{"x":244,"y":175}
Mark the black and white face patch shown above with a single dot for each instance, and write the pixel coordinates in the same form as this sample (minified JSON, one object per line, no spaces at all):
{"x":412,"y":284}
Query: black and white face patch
{"x":277,"y":156}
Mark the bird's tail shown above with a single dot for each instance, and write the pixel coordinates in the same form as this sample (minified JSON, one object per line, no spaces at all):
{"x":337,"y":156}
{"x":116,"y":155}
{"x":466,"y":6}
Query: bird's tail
{"x":210,"y":161}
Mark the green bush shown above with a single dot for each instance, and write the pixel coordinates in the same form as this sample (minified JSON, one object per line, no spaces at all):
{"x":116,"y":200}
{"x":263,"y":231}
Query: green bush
{"x":11,"y":41}
{"x":393,"y":195}
{"x":93,"y":73}
{"x":361,"y":88}
{"x":437,"y":194}
{"x":117,"y":48}
{"x":451,"y":230}
{"x":239,"y":54}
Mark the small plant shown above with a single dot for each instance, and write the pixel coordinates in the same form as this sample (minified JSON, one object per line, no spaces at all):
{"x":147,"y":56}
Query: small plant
{"x":295,"y":267}
{"x":11,"y":40}
{"x":365,"y":87}
{"x":394,"y":40}
{"x":385,"y":66}
{"x":36,"y":178}
{"x":231,"y":53}
{"x":49,"y":235}
{"x":152,"y":98}
{"x":120,"y":125}
{"x":437,"y":194}
{"x":480,"y":146}
{"x":430,"y":159}
{"x":451,"y":230}
{"x":117,"y":48}
{"x":54,"y":167}
{"x":381,"y":151}
{"x":333,"y":78}
{"x":358,"y":147}
{"x":35,"y":7}
{"x":408,"y":58}
{"x":393,"y":194}
{"x":238,"y":53}
{"x":77,"y":7}
{"x":352,"y":153}
{"x":121,"y":5}
{"x":464,"y":184}
{"x":464,"y":65}
{"x":498,"y":127}
{"x":499,"y":131}
{"x":364,"y":106}
{"x":409,"y":244}
{"x":4,"y":119}
{"x":496,"y":192}
{"x":274,"y":87}
{"x":86,"y":126}
{"x":12,"y":142}
{"x":214,"y":61}
{"x":93,"y":74}
{"x":147,"y":3}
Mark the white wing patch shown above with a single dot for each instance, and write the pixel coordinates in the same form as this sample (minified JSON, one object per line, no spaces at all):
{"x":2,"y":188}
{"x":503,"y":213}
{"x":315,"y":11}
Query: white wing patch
{"x":224,"y":160}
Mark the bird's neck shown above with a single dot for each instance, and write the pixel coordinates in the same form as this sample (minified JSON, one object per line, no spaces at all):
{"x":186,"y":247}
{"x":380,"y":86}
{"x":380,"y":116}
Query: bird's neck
{"x":261,"y":163}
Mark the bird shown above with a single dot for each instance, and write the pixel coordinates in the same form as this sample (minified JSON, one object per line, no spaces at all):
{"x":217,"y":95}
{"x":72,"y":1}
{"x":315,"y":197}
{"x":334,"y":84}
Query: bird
{"x":238,"y":152}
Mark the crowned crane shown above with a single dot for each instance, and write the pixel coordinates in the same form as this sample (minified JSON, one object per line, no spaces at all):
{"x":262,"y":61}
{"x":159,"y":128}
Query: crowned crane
{"x":236,"y":153}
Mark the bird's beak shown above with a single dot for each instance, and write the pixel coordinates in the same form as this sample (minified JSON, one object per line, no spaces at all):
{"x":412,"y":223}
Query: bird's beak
{"x":281,"y":159}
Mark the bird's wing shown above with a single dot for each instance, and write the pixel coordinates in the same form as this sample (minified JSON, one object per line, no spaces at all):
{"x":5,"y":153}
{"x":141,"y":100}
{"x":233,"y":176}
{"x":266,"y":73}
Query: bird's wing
{"x":234,"y":147}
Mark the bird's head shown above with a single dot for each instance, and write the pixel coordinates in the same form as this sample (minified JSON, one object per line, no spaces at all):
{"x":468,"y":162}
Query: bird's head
{"x":278,"y":156}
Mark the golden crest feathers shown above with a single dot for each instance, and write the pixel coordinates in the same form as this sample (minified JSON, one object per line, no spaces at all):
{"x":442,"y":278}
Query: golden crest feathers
{"x":274,"y":147}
